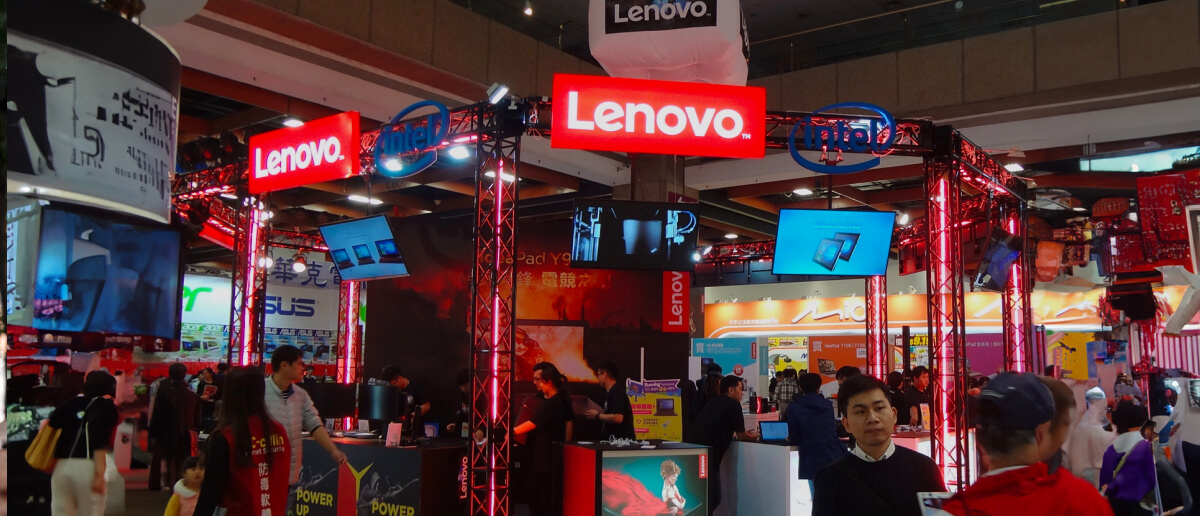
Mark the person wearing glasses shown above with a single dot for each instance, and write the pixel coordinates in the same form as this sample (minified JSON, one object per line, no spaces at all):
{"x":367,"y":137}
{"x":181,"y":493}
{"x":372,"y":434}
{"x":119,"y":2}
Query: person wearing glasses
{"x":617,"y":418}
{"x":551,"y":422}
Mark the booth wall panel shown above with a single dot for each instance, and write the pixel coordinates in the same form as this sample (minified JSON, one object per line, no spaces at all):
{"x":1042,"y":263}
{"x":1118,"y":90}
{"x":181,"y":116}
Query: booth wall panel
{"x":415,"y":39}
{"x":1063,"y":61}
{"x":931,"y":76}
{"x":1159,"y":37}
{"x":549,"y":62}
{"x":998,"y":65}
{"x":512,"y":60}
{"x":870,"y":79}
{"x":809,"y":89}
{"x":350,"y":17}
{"x":579,"y":481}
{"x":460,"y":41}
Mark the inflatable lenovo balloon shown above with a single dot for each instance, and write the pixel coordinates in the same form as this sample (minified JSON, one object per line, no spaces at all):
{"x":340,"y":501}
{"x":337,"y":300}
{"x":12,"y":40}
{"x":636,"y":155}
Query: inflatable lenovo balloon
{"x":670,"y":40}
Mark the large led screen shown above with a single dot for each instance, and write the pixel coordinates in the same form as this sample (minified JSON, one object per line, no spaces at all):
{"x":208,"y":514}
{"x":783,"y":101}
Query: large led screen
{"x":654,"y":482}
{"x":559,"y":344}
{"x":364,"y":249}
{"x":98,"y":275}
{"x":833,"y":243}
{"x":634,"y":235}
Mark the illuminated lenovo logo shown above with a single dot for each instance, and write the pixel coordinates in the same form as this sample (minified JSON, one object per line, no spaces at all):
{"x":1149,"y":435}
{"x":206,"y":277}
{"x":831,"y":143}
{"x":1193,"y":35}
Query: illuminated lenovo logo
{"x":318,"y":151}
{"x":838,"y":135}
{"x":290,"y":159}
{"x":632,"y":115}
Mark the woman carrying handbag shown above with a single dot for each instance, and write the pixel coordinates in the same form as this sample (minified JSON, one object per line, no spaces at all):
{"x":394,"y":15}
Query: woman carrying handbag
{"x":86,"y":423}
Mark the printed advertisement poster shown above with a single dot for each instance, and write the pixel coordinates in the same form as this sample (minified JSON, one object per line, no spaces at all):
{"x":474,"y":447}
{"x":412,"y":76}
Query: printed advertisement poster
{"x":1069,"y":351}
{"x":787,"y":353}
{"x":832,"y":352}
{"x":374,"y":481}
{"x":646,"y":484}
{"x":657,"y":409}
{"x":985,"y":352}
{"x":1108,"y":352}
{"x":735,"y":356}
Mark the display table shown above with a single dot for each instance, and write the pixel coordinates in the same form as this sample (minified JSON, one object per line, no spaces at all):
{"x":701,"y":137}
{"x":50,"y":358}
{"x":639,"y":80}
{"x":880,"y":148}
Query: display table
{"x":599,"y":479}
{"x":760,"y":478}
{"x":411,"y":481}
{"x":752,"y":420}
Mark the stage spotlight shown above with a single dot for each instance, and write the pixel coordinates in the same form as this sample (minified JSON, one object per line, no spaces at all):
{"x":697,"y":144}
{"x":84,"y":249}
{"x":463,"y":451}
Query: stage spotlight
{"x":902,"y":219}
{"x":696,"y":256}
{"x":293,"y":122}
{"x":459,"y":152}
{"x":299,"y":264}
{"x":528,"y":8}
{"x":496,"y":92}
{"x":232,"y":149}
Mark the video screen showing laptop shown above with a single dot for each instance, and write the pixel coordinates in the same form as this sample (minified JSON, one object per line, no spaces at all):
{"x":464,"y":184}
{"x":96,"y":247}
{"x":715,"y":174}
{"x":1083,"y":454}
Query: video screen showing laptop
{"x":833,"y":242}
{"x":364,"y":249}
{"x":634,"y":235}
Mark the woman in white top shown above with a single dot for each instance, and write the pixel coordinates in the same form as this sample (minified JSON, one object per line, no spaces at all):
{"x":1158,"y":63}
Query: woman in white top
{"x":670,"y":491}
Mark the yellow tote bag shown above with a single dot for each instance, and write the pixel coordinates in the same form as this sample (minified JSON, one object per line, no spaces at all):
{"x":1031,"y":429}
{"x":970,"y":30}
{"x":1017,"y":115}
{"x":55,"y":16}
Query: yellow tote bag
{"x":40,"y":454}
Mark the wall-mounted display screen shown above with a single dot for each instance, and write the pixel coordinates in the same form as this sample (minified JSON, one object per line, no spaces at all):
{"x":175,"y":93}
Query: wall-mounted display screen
{"x":364,"y":249}
{"x":994,"y":268}
{"x":634,"y":235}
{"x":98,"y":275}
{"x":833,"y":243}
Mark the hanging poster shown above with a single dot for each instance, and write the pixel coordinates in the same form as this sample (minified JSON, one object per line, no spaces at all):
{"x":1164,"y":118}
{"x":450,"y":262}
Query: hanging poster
{"x":735,"y":356}
{"x":787,"y":353}
{"x":657,"y":409}
{"x":1069,"y":352}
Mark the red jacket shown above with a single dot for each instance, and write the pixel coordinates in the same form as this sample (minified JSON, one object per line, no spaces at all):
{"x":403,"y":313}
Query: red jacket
{"x":250,"y":490}
{"x":1029,"y":491}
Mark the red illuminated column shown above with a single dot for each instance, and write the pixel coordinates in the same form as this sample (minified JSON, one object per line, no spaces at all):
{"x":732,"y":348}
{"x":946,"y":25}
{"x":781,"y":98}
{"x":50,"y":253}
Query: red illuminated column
{"x":1017,"y":314}
{"x":249,"y":283}
{"x":349,"y":368}
{"x":877,"y":331}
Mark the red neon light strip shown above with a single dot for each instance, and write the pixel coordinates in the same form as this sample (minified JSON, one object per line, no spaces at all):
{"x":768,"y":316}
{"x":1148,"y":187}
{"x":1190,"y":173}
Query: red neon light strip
{"x":498,"y":199}
{"x":248,"y":325}
{"x":351,"y":337}
{"x":945,"y":372}
{"x":1017,"y":318}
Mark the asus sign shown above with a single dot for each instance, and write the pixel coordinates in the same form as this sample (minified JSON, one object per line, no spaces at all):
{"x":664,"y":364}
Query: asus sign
{"x":318,"y":151}
{"x":658,"y":117}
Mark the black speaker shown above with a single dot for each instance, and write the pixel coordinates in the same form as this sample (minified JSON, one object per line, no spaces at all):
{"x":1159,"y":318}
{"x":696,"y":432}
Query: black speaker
{"x":1136,"y":301}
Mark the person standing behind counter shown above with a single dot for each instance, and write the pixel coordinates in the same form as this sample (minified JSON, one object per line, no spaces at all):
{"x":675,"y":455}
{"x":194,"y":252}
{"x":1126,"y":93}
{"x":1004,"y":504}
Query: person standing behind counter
{"x":392,"y":375}
{"x":617,"y":418}
{"x":716,"y":426}
{"x":551,"y":423}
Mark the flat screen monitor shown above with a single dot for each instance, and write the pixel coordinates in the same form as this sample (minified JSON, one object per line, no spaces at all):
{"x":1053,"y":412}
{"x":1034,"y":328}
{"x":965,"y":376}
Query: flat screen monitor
{"x":833,"y":242}
{"x":634,"y":235}
{"x":100,"y":274}
{"x":994,"y":268}
{"x":380,"y":402}
{"x":773,"y":430}
{"x":332,"y":400}
{"x":364,"y":249}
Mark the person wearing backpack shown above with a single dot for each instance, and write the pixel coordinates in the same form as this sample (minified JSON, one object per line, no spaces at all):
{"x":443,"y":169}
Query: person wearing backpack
{"x":87,"y":421}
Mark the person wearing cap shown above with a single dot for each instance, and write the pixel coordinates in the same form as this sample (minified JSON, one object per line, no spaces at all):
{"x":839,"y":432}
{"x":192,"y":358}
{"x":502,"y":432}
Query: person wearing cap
{"x":878,"y":477}
{"x":1016,"y":411}
{"x":1089,"y":439}
{"x":1128,"y":472}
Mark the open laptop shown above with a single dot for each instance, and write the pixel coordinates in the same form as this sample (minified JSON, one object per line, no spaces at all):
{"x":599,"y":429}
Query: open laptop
{"x":362,"y":253}
{"x":827,"y":252}
{"x":388,"y":252}
{"x":773,"y":432}
{"x":341,"y":258}
{"x":665,"y":407}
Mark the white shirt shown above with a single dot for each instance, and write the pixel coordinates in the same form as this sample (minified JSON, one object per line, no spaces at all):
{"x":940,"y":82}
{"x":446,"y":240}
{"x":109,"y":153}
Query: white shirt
{"x":858,"y":452}
{"x":670,"y":495}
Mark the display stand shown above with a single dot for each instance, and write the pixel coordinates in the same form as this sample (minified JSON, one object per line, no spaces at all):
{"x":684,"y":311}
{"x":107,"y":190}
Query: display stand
{"x":600,"y":479}
{"x":761,"y":478}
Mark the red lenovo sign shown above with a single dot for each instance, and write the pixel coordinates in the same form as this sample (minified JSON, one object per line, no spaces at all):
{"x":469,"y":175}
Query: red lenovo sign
{"x":677,"y":315}
{"x":659,"y":117}
{"x":318,"y":151}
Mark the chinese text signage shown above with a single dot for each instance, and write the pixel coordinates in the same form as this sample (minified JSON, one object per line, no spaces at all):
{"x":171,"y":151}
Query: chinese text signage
{"x":660,"y":117}
{"x":318,"y":151}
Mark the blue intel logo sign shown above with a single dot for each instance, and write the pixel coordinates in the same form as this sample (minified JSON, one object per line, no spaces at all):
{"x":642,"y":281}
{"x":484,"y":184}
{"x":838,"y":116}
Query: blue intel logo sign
{"x":845,"y":136}
{"x":404,"y":150}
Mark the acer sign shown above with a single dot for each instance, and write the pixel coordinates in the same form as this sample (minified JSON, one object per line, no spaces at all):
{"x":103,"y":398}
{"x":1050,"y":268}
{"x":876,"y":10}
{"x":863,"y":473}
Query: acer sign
{"x":676,"y":300}
{"x":658,"y":117}
{"x":318,"y":151}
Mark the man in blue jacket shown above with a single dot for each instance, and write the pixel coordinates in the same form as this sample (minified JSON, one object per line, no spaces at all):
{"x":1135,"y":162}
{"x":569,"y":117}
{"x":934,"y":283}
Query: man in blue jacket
{"x":811,"y":427}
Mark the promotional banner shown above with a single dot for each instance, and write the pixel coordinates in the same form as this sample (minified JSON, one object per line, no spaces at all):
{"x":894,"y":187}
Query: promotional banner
{"x":735,"y":356}
{"x":321,"y":150}
{"x":676,"y":302}
{"x":1069,"y":351}
{"x":87,"y":130}
{"x":1107,"y":352}
{"x":22,"y":228}
{"x":654,"y":482}
{"x":379,"y":481}
{"x":787,"y":353}
{"x":985,"y":352}
{"x":657,"y":409}
{"x":828,"y":353}
{"x":629,"y":115}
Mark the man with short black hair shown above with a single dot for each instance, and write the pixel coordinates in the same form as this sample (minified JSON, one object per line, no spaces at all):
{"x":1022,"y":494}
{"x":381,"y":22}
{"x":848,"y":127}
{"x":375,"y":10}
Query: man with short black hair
{"x":878,"y":477}
{"x":830,"y":390}
{"x":787,"y":389}
{"x":918,"y":394}
{"x":617,"y":418}
{"x":392,"y":375}
{"x":1015,"y":414}
{"x":716,"y":426}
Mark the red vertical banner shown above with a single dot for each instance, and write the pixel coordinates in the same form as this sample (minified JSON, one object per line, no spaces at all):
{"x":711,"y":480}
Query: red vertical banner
{"x":676,"y":300}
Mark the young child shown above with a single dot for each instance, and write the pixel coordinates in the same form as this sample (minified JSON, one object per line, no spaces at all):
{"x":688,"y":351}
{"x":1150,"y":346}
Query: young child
{"x":187,"y":489}
{"x":670,"y":492}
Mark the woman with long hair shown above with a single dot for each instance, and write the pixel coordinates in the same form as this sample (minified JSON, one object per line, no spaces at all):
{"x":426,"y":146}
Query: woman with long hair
{"x":87,"y":422}
{"x":248,"y":454}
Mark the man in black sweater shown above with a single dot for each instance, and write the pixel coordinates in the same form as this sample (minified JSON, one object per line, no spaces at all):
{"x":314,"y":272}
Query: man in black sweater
{"x":716,"y":426}
{"x":879,"y":477}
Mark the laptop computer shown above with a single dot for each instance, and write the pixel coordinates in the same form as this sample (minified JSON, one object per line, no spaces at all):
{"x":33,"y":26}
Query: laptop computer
{"x":827,"y":252}
{"x":363,"y":254}
{"x":341,"y":258}
{"x":665,"y":407}
{"x":388,"y":252}
{"x":773,"y":432}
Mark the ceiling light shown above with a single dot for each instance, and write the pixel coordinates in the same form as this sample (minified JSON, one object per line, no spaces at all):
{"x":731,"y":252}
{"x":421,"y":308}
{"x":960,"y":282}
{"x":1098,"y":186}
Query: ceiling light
{"x":528,"y":12}
{"x":508,"y":178}
{"x":459,"y":152}
{"x":731,"y":236}
{"x":496,"y":92}
{"x":707,"y":249}
{"x":26,"y":189}
{"x":293,"y":122}
{"x":365,"y":200}
{"x":1014,"y":167}
{"x":802,"y":191}
{"x":228,"y":195}
{"x":902,"y":219}
{"x":696,"y":256}
{"x":299,"y":264}
{"x":393,"y":165}
{"x":1079,"y":208}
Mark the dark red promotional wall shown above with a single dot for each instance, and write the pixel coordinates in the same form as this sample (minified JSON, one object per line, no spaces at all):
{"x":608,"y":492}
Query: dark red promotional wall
{"x":420,"y":322}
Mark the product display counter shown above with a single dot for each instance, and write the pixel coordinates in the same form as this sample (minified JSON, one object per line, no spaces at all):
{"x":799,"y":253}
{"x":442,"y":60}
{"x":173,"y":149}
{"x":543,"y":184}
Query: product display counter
{"x":410,"y":481}
{"x":760,"y":478}
{"x":638,"y":479}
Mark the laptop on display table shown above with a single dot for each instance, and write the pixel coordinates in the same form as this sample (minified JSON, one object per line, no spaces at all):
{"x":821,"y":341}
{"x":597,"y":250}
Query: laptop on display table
{"x":773,"y":432}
